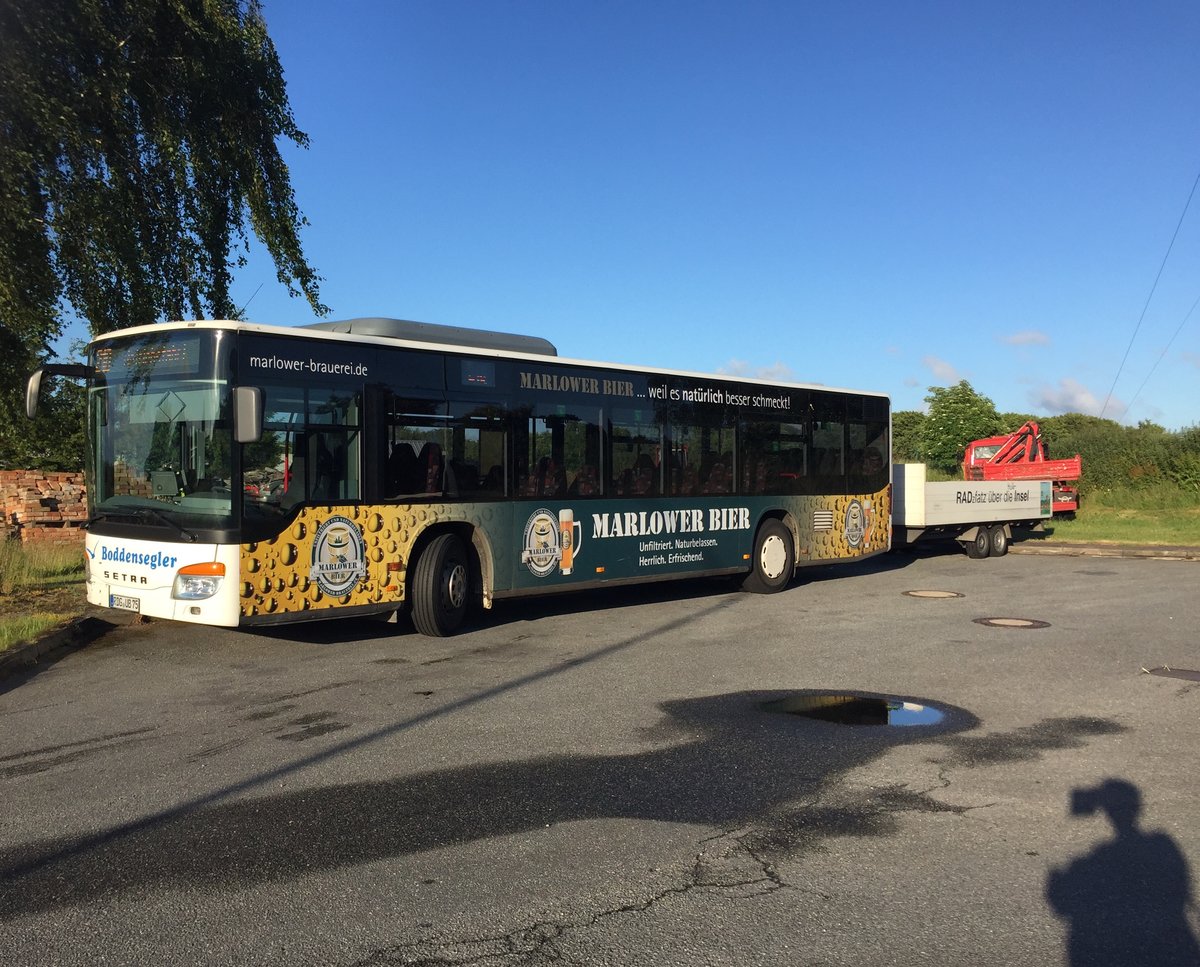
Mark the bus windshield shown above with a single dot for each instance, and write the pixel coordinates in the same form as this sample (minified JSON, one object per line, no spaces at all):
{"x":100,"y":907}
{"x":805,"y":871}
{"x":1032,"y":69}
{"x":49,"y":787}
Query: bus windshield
{"x":161,"y":439}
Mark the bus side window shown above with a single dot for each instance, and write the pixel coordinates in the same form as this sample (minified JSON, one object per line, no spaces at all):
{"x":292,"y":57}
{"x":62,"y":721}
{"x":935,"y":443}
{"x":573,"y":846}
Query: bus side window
{"x":635,"y":448}
{"x":417,"y":435}
{"x":309,"y":450}
{"x":563,"y":452}
{"x":702,"y":451}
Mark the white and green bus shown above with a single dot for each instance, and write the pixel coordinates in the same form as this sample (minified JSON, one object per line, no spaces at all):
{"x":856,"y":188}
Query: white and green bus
{"x":240,"y":474}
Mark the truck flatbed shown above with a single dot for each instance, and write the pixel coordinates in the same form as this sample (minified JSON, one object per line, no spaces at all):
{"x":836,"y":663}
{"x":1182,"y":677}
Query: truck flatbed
{"x":963,"y":510}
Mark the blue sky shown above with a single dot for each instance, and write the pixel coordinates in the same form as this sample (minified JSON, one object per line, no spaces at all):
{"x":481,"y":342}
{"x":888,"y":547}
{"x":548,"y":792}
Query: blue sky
{"x":878,"y":195}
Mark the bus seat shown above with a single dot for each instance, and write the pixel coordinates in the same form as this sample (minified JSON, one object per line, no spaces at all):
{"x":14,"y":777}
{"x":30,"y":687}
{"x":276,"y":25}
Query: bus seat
{"x":402,"y":470}
{"x":294,"y":493}
{"x":553,"y":479}
{"x":718,"y":481}
{"x":586,"y":483}
{"x":430,"y":462}
{"x":323,"y":485}
{"x":493,"y":483}
{"x":644,"y":475}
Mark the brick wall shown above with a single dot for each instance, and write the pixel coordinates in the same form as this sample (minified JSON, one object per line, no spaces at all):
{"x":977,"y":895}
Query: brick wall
{"x":42,"y":507}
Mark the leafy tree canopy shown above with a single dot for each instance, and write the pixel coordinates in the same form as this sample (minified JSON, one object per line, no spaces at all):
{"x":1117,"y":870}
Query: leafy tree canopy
{"x":907,"y":435}
{"x":137,"y":140}
{"x":957,"y":415}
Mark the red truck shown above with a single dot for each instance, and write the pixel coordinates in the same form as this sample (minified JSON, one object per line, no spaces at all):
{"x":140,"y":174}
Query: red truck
{"x":1022,"y":456}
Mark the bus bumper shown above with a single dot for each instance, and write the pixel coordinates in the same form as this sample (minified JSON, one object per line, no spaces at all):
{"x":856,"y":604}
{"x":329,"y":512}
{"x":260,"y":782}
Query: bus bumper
{"x":141,"y":577}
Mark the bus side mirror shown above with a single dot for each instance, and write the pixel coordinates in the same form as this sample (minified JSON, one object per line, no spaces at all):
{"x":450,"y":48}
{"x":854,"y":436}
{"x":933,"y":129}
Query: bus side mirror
{"x":247,"y":414}
{"x":33,"y":389}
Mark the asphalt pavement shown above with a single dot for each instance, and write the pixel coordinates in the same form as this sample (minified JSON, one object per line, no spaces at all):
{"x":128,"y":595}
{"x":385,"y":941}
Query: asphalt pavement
{"x":623,"y":778}
{"x":85,"y":629}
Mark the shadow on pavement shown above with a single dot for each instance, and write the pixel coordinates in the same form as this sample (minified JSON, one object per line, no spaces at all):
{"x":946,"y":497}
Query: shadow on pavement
{"x":721,"y":761}
{"x":1126,"y":901}
{"x":595,"y":601}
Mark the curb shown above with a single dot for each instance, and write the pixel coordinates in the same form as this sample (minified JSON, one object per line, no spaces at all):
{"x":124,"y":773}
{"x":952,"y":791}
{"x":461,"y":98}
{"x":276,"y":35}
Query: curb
{"x":1166,"y":552}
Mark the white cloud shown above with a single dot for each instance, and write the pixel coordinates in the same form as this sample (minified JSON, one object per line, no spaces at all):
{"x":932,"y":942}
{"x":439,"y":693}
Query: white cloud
{"x":776,"y":371}
{"x":1027,"y":337}
{"x":735,"y":367}
{"x":941,"y":369}
{"x":911,"y":381}
{"x":1193,"y":358}
{"x":1071,"y":396}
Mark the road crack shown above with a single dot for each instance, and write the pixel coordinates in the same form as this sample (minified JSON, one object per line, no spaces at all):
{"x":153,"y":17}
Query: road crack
{"x":724,"y":867}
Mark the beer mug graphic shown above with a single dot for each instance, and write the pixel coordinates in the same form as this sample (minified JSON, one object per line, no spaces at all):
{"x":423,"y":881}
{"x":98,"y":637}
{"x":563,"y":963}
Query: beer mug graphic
{"x":570,"y":532}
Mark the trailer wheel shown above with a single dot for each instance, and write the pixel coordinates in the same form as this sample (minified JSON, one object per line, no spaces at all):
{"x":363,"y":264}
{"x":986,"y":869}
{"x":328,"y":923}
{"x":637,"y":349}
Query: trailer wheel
{"x":998,"y":541}
{"x":773,"y":561}
{"x":441,"y":587}
{"x":980,"y":545}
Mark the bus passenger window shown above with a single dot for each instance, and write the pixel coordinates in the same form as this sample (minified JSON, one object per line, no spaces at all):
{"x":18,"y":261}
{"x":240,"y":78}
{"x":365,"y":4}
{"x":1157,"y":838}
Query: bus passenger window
{"x":561,"y":453}
{"x":869,"y":445}
{"x":309,"y":450}
{"x":417,"y":434}
{"x":773,"y":457}
{"x":635,"y":438}
{"x":702,"y":454}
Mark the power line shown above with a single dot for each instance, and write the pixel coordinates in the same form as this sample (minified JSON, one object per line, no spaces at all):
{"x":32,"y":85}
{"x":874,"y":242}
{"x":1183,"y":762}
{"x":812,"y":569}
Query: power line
{"x":238,"y":314}
{"x":1163,"y":355}
{"x":1124,"y":358}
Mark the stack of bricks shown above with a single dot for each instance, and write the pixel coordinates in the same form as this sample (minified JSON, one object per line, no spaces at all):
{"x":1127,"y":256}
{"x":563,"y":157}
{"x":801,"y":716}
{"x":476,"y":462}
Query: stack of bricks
{"x":126,"y":480}
{"x":42,"y":507}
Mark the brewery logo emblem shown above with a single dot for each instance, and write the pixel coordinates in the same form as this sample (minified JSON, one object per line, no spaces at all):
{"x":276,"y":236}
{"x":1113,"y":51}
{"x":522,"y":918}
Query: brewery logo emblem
{"x":338,"y":563}
{"x":540,"y":550}
{"x":856,"y":524}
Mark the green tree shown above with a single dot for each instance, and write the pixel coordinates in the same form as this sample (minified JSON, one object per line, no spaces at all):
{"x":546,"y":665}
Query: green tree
{"x":54,"y":441}
{"x":957,"y":415}
{"x":138,"y":139}
{"x":907,"y":436}
{"x":1014,"y":421}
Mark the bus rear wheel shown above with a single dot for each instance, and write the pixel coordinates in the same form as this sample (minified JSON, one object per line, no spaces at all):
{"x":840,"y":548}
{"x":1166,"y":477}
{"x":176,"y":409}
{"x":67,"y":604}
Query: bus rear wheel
{"x":773,"y":560}
{"x":441,"y":587}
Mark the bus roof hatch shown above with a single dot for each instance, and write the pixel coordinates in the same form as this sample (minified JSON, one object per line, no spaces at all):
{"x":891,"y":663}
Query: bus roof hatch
{"x":448,"y":335}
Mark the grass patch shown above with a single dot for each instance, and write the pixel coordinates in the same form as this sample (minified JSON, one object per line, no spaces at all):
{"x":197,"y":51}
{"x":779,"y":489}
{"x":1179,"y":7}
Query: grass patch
{"x":40,"y":588}
{"x":27,"y":627}
{"x":1130,"y":525}
{"x":38,"y":567}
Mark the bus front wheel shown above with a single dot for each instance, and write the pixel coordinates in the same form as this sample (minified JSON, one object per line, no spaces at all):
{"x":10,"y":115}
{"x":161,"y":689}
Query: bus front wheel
{"x":441,"y":587}
{"x":773,"y":560}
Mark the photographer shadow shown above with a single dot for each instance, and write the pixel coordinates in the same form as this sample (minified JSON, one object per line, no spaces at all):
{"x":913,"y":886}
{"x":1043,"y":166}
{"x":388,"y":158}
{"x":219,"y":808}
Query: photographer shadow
{"x":1127,"y":901}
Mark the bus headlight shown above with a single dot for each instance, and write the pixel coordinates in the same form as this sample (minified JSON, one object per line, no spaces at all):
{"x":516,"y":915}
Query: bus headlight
{"x":198,"y":581}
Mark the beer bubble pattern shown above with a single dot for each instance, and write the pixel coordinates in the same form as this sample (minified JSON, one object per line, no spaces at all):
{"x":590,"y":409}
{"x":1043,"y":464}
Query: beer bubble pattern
{"x":828,"y":545}
{"x":276,"y":574}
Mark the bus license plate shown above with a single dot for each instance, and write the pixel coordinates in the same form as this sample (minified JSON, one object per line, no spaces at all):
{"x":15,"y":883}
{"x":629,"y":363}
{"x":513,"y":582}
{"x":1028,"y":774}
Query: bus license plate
{"x":124,"y":603}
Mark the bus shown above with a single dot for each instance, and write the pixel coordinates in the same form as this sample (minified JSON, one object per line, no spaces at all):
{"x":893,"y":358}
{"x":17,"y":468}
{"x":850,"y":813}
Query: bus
{"x":240,"y":474}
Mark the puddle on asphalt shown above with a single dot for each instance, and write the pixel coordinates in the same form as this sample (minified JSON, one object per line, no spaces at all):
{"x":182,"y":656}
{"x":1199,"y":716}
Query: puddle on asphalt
{"x":856,"y":710}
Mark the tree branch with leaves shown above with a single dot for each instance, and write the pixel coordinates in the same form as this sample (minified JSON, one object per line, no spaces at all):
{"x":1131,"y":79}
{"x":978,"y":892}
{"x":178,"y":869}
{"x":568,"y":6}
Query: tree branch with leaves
{"x":138,"y":140}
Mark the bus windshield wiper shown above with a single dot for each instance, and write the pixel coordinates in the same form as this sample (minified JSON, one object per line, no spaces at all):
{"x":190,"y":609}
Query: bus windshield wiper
{"x":167,"y":520}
